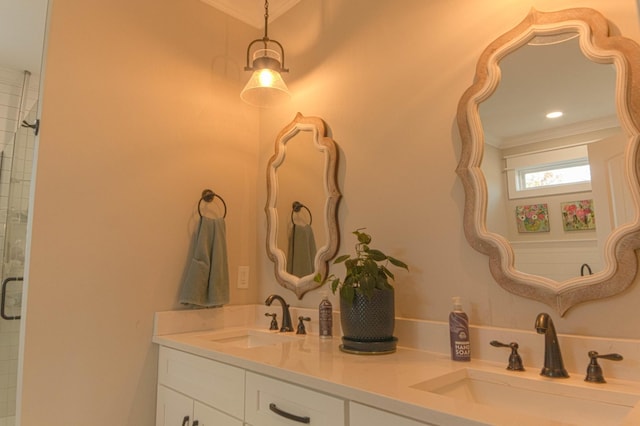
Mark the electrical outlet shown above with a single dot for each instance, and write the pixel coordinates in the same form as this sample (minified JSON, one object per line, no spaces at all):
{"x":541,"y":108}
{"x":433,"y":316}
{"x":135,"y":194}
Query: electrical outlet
{"x":243,"y":277}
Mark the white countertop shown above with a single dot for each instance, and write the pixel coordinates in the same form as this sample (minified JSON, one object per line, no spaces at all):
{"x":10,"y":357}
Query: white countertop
{"x":382,"y":381}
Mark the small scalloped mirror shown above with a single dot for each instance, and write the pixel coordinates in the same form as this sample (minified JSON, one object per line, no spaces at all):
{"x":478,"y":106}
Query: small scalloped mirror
{"x":302,"y":204}
{"x":614,"y":235}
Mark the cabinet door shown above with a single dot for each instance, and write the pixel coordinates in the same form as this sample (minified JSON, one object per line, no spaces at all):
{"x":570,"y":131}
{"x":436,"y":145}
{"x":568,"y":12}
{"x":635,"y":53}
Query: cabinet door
{"x":214,"y":383}
{"x":271,"y":402}
{"x":207,"y":416}
{"x":176,"y":409}
{"x":361,"y":415}
{"x":172,"y":408}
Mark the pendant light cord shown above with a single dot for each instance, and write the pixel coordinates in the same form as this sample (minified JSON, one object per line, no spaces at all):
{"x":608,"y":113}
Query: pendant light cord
{"x":266,"y":23}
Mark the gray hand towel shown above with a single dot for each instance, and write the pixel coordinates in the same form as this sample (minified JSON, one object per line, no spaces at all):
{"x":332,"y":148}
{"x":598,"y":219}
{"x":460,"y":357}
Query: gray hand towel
{"x":301,"y":253}
{"x":207,"y":280}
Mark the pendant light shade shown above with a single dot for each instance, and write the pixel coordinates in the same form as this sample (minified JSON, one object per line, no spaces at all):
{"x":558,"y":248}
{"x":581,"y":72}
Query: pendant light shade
{"x":266,"y":87}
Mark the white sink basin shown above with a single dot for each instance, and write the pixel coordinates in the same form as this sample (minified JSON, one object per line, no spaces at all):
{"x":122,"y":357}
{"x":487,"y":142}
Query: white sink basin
{"x":248,"y":338}
{"x":555,"y":399}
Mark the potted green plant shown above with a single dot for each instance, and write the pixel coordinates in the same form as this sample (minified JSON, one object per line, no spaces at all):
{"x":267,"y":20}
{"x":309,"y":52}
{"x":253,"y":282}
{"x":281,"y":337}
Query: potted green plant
{"x":367,"y":312}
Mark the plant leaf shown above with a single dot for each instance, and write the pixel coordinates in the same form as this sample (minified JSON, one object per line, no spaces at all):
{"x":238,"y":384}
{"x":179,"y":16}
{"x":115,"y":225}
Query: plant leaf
{"x":334,"y":285}
{"x":398,"y":263}
{"x":388,"y":273}
{"x":342,"y":258}
{"x":376,"y":255}
{"x":367,"y":284}
{"x":349,"y":280}
{"x":371,"y":267}
{"x":350,"y":263}
{"x":362,"y":237}
{"x":347,"y":292}
{"x":368,"y":290}
{"x":381,"y":280}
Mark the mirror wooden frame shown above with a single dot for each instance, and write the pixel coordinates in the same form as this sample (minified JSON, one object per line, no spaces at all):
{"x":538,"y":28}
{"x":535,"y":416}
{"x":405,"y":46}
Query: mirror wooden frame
{"x":326,"y":145}
{"x":599,"y":46}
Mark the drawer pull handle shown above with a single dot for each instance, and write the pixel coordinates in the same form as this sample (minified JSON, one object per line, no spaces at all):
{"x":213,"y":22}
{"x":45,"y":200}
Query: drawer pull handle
{"x":185,"y":421}
{"x":289,"y":416}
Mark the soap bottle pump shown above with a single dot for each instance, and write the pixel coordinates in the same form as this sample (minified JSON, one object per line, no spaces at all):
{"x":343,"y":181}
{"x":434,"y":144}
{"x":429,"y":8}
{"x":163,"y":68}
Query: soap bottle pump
{"x":459,"y":332}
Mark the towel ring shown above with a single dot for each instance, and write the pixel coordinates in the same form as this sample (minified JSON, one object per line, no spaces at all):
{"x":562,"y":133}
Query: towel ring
{"x":296,"y":207}
{"x":208,"y":196}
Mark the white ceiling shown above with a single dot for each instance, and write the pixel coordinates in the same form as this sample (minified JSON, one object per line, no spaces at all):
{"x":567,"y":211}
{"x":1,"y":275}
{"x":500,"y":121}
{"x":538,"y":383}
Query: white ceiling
{"x":22,"y":25}
{"x":251,"y":11}
{"x":536,"y":80}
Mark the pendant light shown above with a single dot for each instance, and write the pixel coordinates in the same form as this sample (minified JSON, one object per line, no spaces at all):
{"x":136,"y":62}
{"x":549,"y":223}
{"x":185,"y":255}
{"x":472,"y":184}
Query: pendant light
{"x":266,"y":87}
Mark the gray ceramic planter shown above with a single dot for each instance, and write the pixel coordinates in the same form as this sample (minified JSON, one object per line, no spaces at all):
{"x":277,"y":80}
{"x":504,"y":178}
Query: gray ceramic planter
{"x":368,"y":323}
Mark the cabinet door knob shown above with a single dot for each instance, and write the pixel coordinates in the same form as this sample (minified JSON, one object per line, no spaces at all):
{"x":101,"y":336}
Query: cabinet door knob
{"x":273,"y":407}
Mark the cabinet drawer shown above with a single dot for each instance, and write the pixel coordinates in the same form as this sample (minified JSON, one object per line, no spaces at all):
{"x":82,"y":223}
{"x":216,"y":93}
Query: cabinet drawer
{"x":213,"y":383}
{"x":266,"y":397}
{"x":362,"y":415}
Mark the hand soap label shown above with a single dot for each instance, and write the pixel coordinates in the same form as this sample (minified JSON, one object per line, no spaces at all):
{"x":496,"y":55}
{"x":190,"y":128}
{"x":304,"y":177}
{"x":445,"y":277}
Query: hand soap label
{"x":325,"y":313}
{"x":459,"y":333}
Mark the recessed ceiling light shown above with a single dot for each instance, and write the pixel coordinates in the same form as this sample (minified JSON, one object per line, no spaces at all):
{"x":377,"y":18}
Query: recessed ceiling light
{"x":555,"y":114}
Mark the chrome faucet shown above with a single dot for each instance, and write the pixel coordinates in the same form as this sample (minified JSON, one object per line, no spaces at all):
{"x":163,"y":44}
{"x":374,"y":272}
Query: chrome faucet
{"x":553,"y":365}
{"x":286,"y":316}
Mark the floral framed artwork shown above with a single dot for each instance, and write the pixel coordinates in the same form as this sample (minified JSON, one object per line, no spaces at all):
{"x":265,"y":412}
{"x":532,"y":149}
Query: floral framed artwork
{"x":578,"y":215}
{"x":532,"y":218}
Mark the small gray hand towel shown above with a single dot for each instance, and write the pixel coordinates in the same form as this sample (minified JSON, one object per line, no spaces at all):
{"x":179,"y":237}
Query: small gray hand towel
{"x":207,"y":280}
{"x":301,"y":253}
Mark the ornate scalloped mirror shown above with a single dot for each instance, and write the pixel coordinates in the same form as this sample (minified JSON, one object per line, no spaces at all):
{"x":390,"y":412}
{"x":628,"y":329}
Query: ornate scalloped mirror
{"x":302,"y":204}
{"x":553,"y":234}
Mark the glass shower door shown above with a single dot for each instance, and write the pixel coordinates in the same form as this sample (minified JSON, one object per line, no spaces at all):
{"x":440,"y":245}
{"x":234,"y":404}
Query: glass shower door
{"x":16,"y":160}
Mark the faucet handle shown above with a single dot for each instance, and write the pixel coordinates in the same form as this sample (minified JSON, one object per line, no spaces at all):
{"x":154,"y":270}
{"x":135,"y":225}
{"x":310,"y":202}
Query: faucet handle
{"x":594,"y":371}
{"x":301,"y":329}
{"x":515,"y":361}
{"x":274,"y":321}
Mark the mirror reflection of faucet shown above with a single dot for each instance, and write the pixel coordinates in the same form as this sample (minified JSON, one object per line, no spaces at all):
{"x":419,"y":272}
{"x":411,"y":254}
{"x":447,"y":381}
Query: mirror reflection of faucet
{"x":585,"y":265}
{"x":553,"y":364}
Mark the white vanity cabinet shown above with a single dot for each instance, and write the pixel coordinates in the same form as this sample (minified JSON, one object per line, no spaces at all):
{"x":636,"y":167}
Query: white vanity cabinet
{"x":197,"y":391}
{"x":200,"y":390}
{"x":362,"y":415}
{"x":272,"y":402}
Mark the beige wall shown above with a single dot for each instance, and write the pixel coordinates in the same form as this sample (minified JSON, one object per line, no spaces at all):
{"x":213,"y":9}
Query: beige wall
{"x":387,"y":80}
{"x":141,"y":112}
